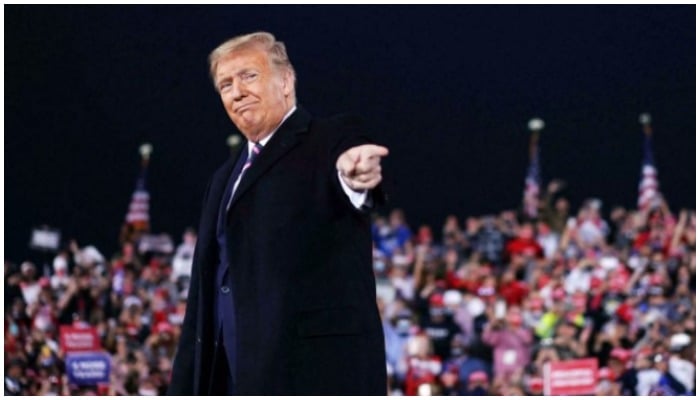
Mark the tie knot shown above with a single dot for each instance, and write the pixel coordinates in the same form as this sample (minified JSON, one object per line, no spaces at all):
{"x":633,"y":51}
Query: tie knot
{"x":254,"y":152}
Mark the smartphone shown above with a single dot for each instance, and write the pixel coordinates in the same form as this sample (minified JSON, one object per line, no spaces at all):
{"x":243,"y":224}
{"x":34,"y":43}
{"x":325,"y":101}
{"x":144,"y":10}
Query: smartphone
{"x":500,"y":309}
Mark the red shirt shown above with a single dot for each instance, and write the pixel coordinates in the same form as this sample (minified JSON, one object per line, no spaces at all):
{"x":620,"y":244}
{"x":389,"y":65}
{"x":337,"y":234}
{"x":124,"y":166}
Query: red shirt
{"x":513,"y":292}
{"x":525,"y":247}
{"x":454,"y":281}
{"x":421,"y":371}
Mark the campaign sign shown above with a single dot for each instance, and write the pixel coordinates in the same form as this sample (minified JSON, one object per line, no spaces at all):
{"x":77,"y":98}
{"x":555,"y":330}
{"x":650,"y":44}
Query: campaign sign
{"x":572,"y":377}
{"x":75,"y":339}
{"x":88,"y":368}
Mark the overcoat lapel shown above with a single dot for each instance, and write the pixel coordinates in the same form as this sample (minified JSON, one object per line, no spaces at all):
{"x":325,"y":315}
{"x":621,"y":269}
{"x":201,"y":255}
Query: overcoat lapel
{"x":287,"y":136}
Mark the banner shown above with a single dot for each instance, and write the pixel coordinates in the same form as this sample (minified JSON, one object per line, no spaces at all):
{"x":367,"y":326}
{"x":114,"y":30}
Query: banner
{"x":572,"y":377}
{"x":156,"y":243}
{"x":74,"y":339}
{"x":88,"y":368}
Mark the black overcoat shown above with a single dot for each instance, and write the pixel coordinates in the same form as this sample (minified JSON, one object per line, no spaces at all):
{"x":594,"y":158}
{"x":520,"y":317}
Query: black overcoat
{"x":301,"y":271}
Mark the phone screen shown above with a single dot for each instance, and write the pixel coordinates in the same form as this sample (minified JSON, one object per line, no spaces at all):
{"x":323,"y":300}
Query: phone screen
{"x":500,"y":309}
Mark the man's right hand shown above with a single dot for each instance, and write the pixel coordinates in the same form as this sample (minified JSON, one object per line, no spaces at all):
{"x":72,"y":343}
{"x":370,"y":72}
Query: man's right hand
{"x":360,"y":166}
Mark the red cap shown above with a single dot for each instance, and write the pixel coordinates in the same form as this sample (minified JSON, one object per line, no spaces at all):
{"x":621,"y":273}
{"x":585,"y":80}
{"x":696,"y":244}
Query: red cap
{"x":164,"y":327}
{"x":436,"y":300}
{"x":478,"y":376}
{"x":625,"y":313}
{"x":621,"y":354}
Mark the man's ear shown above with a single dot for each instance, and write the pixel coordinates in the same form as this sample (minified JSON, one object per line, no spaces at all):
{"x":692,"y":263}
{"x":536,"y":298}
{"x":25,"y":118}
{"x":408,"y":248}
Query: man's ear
{"x":288,"y":82}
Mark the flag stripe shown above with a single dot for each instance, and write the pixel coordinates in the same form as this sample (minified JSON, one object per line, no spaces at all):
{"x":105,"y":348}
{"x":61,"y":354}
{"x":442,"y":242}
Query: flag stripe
{"x":138,"y":212}
{"x":648,"y":182}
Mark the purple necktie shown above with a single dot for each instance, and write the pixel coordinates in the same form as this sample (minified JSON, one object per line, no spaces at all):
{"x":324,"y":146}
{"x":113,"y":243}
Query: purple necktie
{"x":251,"y":157}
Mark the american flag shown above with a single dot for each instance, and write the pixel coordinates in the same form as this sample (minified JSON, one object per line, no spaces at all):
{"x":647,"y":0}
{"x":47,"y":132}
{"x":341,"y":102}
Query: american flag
{"x":137,"y":216}
{"x":648,"y":184}
{"x":531,"y":193}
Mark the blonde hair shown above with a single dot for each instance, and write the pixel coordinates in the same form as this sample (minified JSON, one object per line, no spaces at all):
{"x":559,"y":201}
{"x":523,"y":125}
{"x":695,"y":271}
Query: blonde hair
{"x":275,"y":49}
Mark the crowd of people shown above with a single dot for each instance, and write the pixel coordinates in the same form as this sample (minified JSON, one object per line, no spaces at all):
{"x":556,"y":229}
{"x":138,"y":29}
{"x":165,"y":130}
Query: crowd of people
{"x":482,"y":309}
{"x":478,"y":309}
{"x":135,"y":300}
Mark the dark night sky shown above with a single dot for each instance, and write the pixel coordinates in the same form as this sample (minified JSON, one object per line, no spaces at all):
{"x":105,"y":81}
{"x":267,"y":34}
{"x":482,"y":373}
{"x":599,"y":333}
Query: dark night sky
{"x":449,"y":89}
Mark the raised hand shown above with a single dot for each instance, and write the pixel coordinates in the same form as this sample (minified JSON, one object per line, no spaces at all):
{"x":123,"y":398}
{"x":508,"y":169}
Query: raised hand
{"x":360,"y":167}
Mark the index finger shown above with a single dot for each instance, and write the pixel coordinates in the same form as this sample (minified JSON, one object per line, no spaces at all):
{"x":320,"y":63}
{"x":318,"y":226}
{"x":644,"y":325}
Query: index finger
{"x":372,"y":150}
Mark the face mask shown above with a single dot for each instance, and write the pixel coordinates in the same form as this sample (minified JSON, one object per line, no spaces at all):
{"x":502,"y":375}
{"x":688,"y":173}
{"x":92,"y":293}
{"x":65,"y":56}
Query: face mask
{"x":457,"y":351}
{"x":403,"y":327}
{"x":379,"y":266}
{"x":14,"y":330}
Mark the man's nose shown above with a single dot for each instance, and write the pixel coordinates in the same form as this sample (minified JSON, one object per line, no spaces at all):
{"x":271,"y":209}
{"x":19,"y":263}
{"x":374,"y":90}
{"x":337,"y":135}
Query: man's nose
{"x":238,"y":91}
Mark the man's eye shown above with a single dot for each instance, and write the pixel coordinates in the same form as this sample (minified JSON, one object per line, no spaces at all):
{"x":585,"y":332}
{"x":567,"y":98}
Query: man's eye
{"x":224,"y":86}
{"x":250,"y":76}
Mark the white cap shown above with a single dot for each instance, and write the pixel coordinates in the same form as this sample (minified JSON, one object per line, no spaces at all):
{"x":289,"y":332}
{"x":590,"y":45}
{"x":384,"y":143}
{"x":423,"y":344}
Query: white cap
{"x":452,"y":298}
{"x":60,"y":263}
{"x":132,"y":301}
{"x":678,"y":341}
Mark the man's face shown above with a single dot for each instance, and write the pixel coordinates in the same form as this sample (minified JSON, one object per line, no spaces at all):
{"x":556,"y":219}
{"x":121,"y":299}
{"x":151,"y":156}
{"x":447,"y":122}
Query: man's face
{"x":15,"y":372}
{"x":255,"y":94}
{"x":526,"y":232}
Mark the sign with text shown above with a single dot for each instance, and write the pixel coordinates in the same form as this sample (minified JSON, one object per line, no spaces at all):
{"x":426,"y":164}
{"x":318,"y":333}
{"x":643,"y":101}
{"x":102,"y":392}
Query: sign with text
{"x":88,"y":368}
{"x":571,"y":377}
{"x":75,"y":339}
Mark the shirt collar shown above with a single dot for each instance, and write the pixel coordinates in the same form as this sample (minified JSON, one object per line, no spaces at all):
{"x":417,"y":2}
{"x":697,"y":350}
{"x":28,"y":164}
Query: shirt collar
{"x":267,"y":138}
